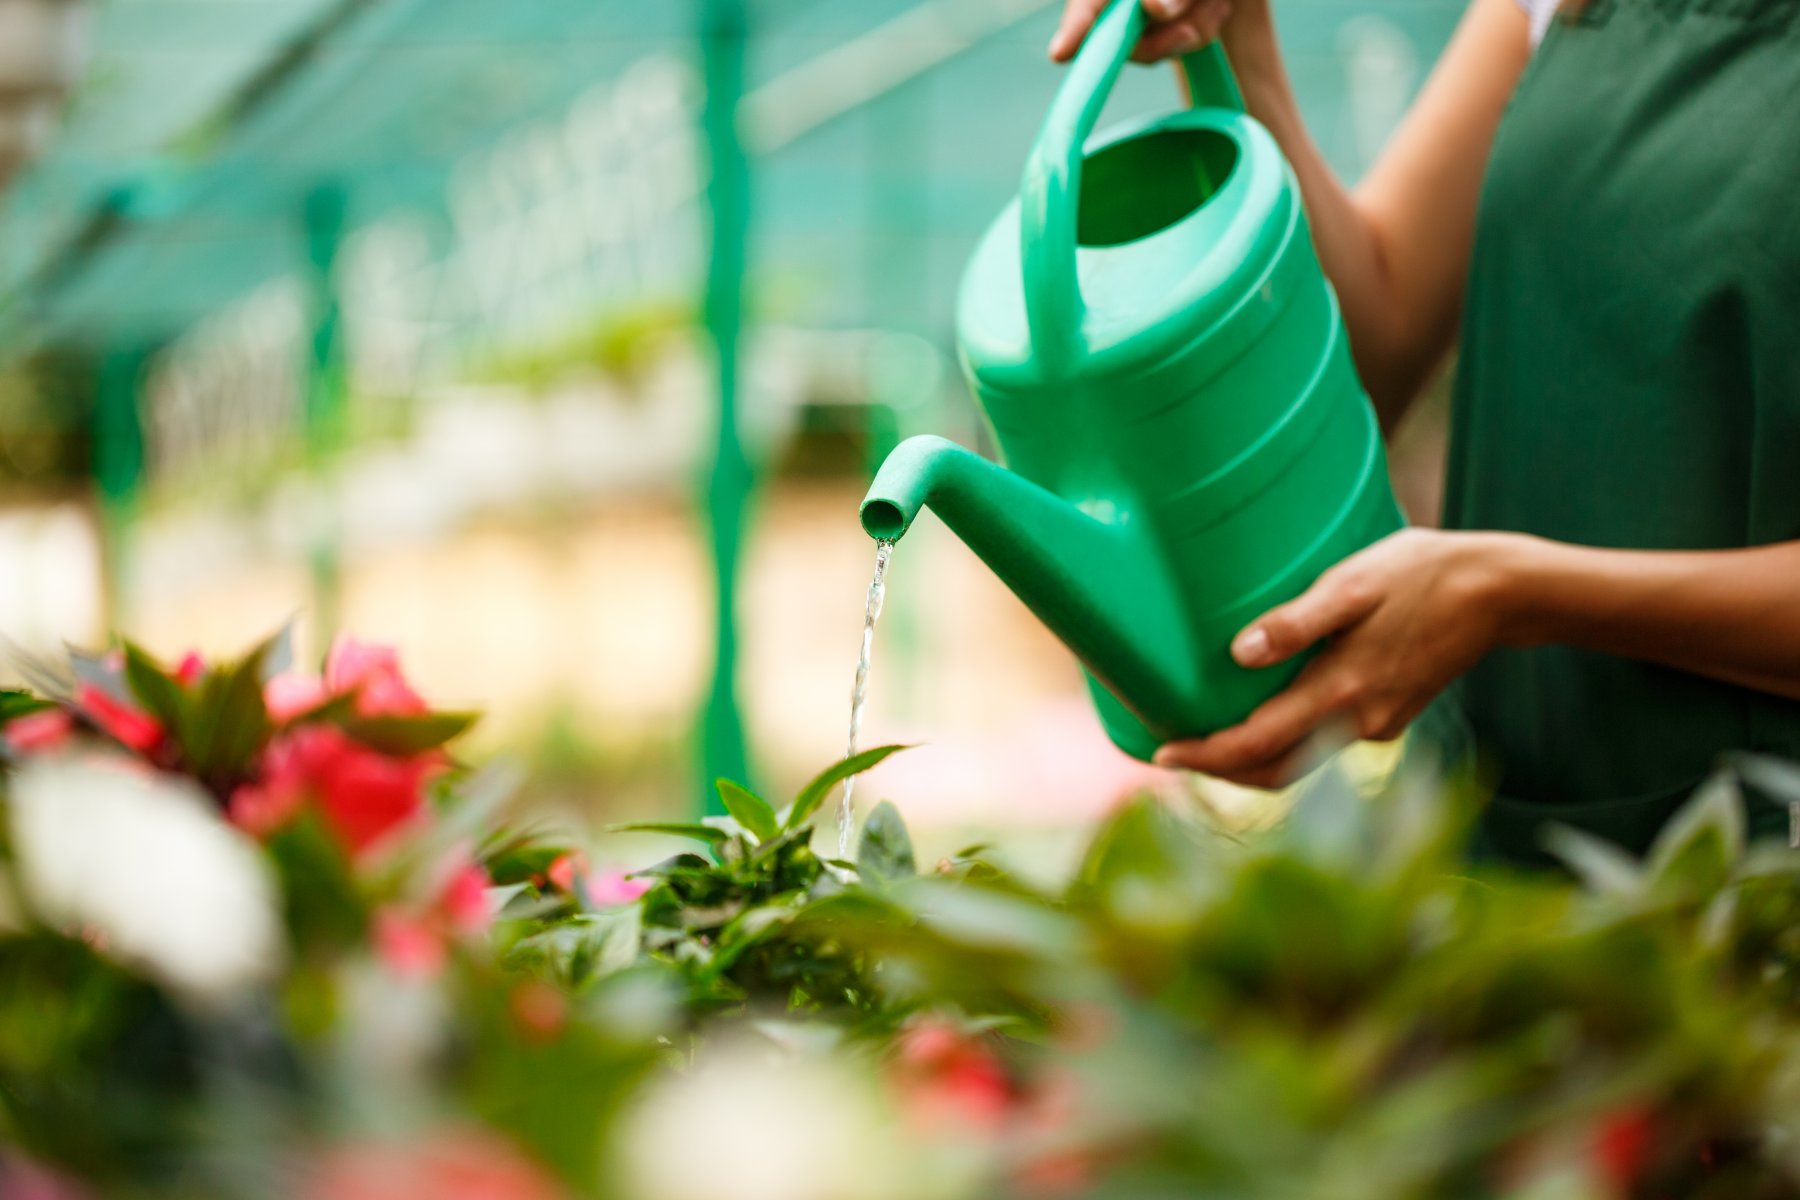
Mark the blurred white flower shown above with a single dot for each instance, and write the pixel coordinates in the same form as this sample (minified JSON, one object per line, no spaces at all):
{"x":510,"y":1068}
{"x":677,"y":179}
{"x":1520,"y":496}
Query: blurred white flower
{"x":752,"y":1123}
{"x":144,"y":864}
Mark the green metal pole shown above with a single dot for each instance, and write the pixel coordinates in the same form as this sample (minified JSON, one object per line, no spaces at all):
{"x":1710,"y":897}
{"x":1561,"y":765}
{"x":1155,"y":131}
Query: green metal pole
{"x":723,"y":34}
{"x":324,"y":395}
{"x":118,"y":465}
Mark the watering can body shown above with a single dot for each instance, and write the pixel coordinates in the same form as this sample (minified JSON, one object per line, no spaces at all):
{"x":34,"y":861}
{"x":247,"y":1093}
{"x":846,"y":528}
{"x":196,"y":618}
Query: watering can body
{"x":1164,"y":366}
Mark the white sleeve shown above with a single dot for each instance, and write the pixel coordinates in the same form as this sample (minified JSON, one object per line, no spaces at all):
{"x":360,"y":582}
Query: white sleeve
{"x":1541,"y":13}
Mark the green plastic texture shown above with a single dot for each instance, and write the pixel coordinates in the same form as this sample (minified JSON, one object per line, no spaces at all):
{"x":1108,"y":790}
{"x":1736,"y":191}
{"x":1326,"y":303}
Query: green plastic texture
{"x":1165,"y":369}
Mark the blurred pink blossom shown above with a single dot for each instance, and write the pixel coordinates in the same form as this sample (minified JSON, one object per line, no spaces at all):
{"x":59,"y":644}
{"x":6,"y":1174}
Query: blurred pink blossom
{"x":125,"y":723}
{"x":608,"y":888}
{"x":408,"y":944}
{"x":372,"y":673}
{"x":43,"y":730}
{"x":464,"y":1165}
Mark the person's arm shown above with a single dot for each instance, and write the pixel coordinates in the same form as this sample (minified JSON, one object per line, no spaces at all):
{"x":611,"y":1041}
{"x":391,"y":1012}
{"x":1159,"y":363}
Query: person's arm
{"x":1412,"y":612}
{"x":1397,"y":247}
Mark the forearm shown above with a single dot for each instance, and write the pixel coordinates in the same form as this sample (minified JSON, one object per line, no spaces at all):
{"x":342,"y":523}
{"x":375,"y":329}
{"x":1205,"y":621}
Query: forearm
{"x":1347,"y":241}
{"x":1729,"y":614}
{"x":1396,"y":247}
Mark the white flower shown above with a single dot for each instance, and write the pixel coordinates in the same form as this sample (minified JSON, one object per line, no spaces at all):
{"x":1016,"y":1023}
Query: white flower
{"x":750,"y":1123}
{"x":144,"y":862}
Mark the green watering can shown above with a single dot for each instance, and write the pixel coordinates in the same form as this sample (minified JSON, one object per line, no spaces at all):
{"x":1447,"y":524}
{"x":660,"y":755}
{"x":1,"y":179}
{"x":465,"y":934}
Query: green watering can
{"x":1167,"y":374}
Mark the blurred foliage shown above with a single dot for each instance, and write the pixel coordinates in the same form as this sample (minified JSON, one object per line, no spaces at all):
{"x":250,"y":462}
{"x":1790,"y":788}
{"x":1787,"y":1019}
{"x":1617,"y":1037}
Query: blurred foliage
{"x":622,"y":344}
{"x":573,"y":766}
{"x":46,"y":402}
{"x":1338,"y":1007}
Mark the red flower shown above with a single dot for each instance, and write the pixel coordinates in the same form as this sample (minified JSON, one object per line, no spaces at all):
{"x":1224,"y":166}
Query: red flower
{"x":949,"y":1080}
{"x":126,"y":724}
{"x":191,"y":669}
{"x":45,"y":729}
{"x":562,"y":872}
{"x":366,"y":796}
{"x":1621,"y":1143}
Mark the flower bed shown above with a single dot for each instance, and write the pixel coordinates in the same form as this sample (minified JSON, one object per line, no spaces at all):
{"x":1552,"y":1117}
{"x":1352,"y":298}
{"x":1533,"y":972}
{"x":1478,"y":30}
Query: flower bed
{"x":265,"y":936}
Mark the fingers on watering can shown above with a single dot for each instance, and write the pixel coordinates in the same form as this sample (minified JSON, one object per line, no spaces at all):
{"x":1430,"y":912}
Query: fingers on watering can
{"x":1078,"y":17}
{"x":1183,"y":36}
{"x":1329,"y":606}
{"x":1269,"y":734}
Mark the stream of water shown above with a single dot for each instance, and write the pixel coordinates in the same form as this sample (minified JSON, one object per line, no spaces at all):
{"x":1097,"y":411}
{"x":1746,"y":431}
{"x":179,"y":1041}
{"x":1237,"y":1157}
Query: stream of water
{"x":859,"y":692}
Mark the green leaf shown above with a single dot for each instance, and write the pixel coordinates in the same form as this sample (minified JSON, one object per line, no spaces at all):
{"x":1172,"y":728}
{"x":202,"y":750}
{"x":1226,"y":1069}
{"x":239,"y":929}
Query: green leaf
{"x":226,"y":721}
{"x":19,"y":704}
{"x":1605,"y":868}
{"x":1702,"y":844}
{"x":1329,"y":822}
{"x":699,"y":833}
{"x":748,"y":809}
{"x":404,"y":737}
{"x":159,"y":693}
{"x":886,"y":849}
{"x":814,"y":793}
{"x":581,"y":949}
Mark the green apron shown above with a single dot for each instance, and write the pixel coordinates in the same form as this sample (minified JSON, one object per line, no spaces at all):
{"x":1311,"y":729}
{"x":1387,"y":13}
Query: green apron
{"x":1630,"y":377}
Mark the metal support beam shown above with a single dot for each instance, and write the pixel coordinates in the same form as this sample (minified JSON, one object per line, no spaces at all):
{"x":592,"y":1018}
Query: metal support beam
{"x":724,"y":30}
{"x":324,"y":400}
{"x":118,"y":466}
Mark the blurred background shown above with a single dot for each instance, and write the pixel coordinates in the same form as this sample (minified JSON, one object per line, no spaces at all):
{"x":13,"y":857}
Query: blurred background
{"x":553,"y":342}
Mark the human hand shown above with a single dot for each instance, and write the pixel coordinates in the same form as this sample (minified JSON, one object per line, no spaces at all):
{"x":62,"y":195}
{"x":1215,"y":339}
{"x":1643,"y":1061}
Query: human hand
{"x":1176,"y":27}
{"x":1404,"y":617}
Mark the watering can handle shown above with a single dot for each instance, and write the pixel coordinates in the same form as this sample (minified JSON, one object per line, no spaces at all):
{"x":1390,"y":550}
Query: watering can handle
{"x":1050,"y":197}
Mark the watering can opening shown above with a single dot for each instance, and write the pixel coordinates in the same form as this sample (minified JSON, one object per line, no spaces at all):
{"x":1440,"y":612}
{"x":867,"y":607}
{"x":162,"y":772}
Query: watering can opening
{"x":1143,"y":185}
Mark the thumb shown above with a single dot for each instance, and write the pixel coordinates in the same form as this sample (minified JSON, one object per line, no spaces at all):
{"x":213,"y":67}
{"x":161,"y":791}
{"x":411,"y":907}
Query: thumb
{"x":1282,"y":632}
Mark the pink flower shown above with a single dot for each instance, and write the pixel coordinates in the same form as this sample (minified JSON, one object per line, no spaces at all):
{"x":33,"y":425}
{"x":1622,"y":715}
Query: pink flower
{"x":408,"y":944}
{"x":290,"y":694}
{"x":45,"y":729}
{"x":262,"y":809}
{"x":605,"y":889}
{"x":463,"y":1164}
{"x":372,"y":674}
{"x":365,"y":796}
{"x":415,"y":943}
{"x":464,"y":900}
{"x":126,"y":724}
{"x":191,"y":669}
{"x":609,"y":888}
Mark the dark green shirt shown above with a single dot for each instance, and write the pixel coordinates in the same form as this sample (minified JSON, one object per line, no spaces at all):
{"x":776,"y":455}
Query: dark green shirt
{"x":1630,"y":377}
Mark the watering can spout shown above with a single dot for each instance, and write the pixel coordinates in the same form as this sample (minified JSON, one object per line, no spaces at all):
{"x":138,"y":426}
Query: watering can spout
{"x":1099,"y":586}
